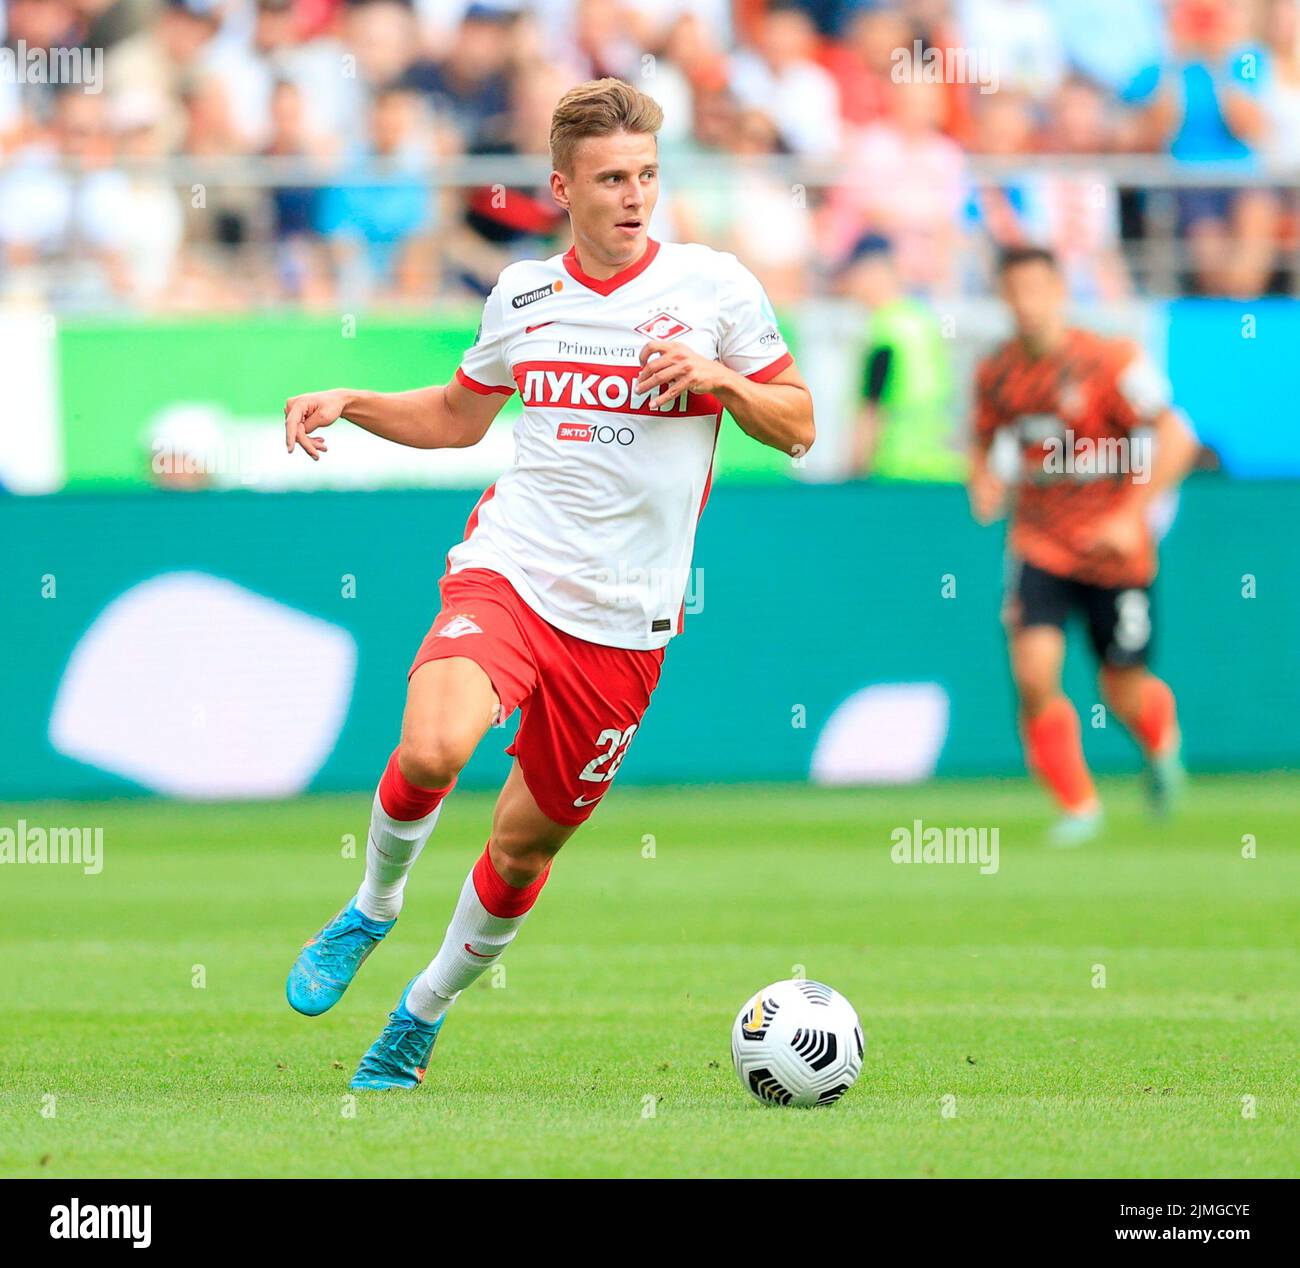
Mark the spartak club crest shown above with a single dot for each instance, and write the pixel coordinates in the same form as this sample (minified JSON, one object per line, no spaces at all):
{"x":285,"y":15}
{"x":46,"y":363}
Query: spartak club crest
{"x":662,"y":326}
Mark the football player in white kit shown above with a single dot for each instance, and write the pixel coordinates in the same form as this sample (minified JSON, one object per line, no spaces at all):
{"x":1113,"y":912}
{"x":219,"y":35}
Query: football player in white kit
{"x":571,"y":576}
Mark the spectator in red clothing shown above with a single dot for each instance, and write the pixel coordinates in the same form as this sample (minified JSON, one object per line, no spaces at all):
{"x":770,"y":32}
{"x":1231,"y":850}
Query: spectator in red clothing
{"x":862,"y":62}
{"x":317,"y":17}
{"x":934,"y":23}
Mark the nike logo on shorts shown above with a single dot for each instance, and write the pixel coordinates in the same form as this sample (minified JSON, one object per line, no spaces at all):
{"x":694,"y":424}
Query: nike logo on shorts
{"x":585,"y":801}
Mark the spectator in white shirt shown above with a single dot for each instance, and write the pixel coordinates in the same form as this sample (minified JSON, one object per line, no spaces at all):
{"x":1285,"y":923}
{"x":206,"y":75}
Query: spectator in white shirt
{"x":1023,"y":40}
{"x":780,"y":77}
{"x":64,"y":212}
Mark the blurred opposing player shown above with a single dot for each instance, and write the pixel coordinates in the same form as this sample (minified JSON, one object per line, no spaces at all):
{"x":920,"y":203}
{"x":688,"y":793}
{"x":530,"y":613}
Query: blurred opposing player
{"x":1098,"y":443}
{"x":572,"y":573}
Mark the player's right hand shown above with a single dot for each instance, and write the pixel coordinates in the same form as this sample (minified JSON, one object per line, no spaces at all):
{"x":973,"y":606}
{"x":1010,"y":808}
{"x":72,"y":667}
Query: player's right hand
{"x":987,"y":495}
{"x":307,"y":413}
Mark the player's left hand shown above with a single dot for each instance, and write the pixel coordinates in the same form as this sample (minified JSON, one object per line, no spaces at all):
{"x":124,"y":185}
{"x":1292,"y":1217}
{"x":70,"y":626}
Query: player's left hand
{"x":1121,"y":534}
{"x":674,"y":368}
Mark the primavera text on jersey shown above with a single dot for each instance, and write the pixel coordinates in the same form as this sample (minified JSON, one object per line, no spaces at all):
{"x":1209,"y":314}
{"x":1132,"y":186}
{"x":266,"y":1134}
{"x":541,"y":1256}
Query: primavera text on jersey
{"x":594,"y":523}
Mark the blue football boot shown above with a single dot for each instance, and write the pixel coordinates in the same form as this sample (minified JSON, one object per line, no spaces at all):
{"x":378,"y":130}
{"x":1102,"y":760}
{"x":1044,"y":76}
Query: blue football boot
{"x":1166,"y":781}
{"x":400,"y":1056}
{"x":330,"y":960}
{"x":1072,"y":830}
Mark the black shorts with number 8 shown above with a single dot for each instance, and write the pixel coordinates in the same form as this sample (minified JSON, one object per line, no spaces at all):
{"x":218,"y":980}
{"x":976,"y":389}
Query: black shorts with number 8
{"x":1119,"y":617}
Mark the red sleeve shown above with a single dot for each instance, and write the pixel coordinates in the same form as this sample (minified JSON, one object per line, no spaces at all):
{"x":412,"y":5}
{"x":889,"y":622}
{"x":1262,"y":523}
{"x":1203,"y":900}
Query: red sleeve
{"x":483,"y":389}
{"x":772,"y":369}
{"x":987,"y":416}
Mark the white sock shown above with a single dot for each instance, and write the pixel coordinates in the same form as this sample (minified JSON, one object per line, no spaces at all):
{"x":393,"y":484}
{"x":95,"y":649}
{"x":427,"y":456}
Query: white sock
{"x":392,"y":846}
{"x":454,"y":968}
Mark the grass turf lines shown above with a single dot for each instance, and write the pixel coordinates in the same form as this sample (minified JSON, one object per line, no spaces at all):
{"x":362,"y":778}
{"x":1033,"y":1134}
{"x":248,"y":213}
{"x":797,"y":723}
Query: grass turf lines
{"x":603,"y":1048}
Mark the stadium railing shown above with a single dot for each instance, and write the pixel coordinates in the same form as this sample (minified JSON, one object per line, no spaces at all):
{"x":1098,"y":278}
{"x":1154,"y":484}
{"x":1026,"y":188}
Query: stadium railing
{"x":1144,"y":192}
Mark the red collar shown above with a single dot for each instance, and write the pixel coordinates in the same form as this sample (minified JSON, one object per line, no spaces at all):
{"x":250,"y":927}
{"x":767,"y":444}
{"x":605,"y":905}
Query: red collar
{"x":606,"y":285}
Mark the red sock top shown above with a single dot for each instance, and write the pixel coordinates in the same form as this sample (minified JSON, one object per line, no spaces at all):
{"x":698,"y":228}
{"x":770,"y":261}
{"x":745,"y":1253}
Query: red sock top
{"x":404,"y":800}
{"x":499,"y":898}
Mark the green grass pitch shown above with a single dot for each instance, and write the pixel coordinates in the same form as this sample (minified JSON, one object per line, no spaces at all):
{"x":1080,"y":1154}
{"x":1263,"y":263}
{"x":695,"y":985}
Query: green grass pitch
{"x":604,"y":1051}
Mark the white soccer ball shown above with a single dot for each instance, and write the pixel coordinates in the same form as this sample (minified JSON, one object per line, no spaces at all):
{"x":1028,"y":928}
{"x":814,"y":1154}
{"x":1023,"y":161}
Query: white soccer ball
{"x":797,"y":1043}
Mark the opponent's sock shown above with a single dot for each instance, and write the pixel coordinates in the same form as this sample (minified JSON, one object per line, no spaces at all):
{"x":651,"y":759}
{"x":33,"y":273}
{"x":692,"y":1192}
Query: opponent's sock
{"x":1054,"y":749}
{"x":1156,"y":725}
{"x":395,"y":839}
{"x":485,"y":922}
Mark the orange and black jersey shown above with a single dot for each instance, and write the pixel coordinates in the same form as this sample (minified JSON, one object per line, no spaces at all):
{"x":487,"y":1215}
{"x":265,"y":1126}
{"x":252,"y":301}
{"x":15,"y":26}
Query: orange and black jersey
{"x":1069,"y":409}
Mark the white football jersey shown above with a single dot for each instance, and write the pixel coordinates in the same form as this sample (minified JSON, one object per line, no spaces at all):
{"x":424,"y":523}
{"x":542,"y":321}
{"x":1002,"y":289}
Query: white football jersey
{"x":594,"y":524}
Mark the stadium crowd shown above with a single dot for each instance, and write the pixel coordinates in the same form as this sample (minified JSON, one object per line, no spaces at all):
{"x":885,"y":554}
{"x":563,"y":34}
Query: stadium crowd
{"x":914,"y":101}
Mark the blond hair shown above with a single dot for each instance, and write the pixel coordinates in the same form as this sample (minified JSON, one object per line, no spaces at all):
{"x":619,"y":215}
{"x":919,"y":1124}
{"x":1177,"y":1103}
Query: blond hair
{"x":600,"y":107}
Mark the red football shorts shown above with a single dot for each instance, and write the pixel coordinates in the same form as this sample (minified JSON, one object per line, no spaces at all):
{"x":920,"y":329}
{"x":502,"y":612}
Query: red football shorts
{"x":580,"y":702}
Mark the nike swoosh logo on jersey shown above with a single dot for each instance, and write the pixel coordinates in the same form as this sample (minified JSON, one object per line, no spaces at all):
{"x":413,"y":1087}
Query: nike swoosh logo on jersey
{"x":528,"y":330}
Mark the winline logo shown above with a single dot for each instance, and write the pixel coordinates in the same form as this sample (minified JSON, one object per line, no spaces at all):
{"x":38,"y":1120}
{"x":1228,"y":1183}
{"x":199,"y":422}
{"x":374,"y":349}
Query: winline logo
{"x":541,"y":292}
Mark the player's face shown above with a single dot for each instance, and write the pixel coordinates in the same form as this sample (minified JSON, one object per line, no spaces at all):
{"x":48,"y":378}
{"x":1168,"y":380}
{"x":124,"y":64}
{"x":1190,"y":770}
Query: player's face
{"x":1035,"y":293}
{"x":610,"y":196}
